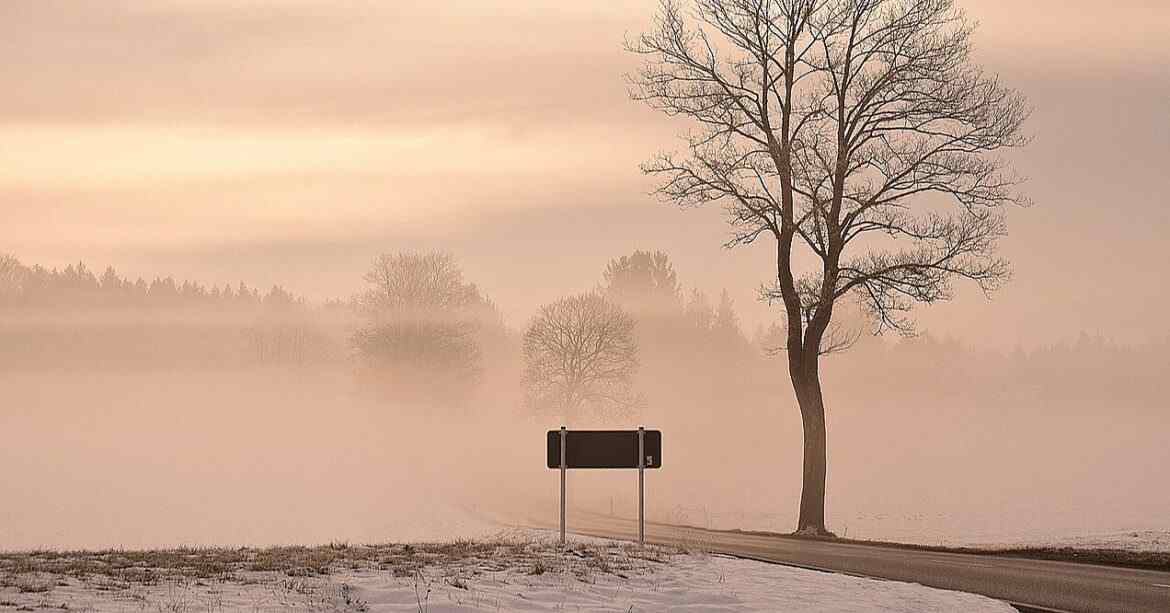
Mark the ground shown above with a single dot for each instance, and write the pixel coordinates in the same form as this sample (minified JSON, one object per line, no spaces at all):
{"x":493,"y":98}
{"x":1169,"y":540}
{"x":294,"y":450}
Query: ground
{"x":514,"y":571}
{"x":1136,"y":541}
{"x":1148,"y":549}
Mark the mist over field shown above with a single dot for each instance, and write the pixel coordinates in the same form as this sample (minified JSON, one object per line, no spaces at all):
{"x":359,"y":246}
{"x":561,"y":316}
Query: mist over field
{"x":306,"y":272}
{"x":164,"y":416}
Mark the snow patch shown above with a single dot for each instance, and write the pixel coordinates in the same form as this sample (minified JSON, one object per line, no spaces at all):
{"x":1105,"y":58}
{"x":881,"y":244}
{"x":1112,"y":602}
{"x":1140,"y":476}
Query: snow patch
{"x":1138,"y":541}
{"x":520,"y":572}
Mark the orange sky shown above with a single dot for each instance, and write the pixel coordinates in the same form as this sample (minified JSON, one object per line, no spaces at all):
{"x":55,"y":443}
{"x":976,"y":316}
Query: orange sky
{"x":289,"y":141}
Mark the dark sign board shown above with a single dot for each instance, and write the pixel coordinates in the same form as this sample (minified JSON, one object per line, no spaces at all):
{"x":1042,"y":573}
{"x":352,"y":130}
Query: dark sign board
{"x":604,"y":448}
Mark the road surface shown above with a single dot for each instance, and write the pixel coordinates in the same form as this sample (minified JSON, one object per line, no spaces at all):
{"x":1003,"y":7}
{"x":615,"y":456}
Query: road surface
{"x":1031,"y":585}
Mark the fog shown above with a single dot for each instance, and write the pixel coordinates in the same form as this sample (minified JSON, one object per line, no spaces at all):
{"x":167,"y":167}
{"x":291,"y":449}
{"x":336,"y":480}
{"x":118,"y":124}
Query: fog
{"x":185,"y":417}
{"x":335,"y":226}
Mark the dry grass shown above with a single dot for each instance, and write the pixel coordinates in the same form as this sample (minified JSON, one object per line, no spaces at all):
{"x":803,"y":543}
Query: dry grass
{"x":116,"y":569}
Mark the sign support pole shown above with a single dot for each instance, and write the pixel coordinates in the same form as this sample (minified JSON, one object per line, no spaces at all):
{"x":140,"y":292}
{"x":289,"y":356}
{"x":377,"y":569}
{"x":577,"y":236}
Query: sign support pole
{"x":641,"y":485}
{"x":563,"y":467}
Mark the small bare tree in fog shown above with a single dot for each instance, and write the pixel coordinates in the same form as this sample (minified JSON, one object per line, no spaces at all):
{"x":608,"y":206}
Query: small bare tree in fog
{"x":859,"y":136}
{"x":418,"y":282}
{"x":422,"y":321}
{"x":580,"y":356}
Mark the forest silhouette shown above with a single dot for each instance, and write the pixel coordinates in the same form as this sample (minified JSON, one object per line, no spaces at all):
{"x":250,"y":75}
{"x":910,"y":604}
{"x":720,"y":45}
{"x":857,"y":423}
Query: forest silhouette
{"x":74,"y":318}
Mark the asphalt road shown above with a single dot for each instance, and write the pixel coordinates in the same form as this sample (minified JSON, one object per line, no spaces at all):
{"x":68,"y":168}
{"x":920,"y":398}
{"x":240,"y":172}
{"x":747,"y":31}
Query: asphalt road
{"x":1029,"y":584}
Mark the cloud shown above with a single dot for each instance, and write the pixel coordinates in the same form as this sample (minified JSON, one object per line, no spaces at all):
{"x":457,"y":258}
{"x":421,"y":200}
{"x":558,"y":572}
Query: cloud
{"x":524,"y":63}
{"x":301,"y":62}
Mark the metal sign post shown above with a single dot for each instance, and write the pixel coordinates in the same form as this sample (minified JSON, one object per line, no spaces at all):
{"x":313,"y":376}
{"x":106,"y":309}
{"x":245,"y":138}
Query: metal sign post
{"x":563,"y":467}
{"x":640,"y":449}
{"x":641,"y":485}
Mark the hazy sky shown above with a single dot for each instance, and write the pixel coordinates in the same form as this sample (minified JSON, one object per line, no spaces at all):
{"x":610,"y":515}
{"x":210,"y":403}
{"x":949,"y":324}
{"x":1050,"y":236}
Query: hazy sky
{"x":289,"y":141}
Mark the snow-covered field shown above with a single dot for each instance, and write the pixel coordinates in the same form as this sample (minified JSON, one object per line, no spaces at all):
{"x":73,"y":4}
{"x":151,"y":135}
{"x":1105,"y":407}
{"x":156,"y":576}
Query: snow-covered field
{"x":1140,"y":541}
{"x":512,"y":572}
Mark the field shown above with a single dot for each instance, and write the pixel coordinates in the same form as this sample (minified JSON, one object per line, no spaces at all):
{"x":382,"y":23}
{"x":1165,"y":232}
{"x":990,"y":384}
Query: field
{"x":515,"y":571}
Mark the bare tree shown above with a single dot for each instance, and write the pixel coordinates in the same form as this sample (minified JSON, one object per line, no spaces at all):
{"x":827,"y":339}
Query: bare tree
{"x":580,"y":355}
{"x":411,"y":281}
{"x":423,"y":326}
{"x":860,"y":138}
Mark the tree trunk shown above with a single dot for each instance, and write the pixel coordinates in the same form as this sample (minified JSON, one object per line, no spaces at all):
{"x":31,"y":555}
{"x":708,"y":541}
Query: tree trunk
{"x":812,"y":493}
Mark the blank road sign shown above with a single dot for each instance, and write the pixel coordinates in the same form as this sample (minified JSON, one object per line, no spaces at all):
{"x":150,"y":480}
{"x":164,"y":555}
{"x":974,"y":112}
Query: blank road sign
{"x":604,"y":448}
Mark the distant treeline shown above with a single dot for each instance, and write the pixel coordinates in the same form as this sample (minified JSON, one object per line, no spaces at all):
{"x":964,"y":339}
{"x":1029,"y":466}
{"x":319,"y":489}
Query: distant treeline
{"x":76,"y":285}
{"x":420,"y":326}
{"x":1088,"y":373}
{"x":72,"y":318}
